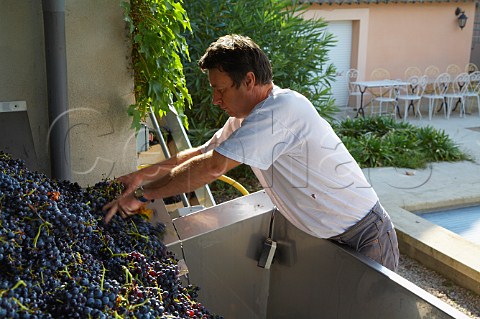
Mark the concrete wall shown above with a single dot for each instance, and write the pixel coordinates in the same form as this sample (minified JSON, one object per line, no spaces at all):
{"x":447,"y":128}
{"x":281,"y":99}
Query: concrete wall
{"x":395,"y":36}
{"x":100,"y":90}
{"x":100,"y":83}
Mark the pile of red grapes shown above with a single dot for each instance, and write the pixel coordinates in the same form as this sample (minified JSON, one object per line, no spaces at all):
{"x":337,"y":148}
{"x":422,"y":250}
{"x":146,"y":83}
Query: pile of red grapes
{"x":59,"y":260}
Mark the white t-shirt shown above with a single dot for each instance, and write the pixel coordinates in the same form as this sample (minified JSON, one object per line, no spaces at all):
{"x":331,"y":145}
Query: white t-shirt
{"x":301,"y":163}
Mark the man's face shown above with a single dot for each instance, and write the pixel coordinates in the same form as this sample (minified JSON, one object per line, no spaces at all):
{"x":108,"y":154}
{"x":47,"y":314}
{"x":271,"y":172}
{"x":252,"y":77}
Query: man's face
{"x":233,"y":100}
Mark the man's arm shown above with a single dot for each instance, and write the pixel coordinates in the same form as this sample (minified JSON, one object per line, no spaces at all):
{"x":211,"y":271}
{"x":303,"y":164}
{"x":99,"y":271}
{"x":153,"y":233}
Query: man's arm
{"x":192,"y":173}
{"x":155,"y":171}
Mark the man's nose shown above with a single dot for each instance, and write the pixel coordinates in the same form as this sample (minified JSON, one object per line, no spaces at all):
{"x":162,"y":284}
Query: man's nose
{"x":216,"y":100}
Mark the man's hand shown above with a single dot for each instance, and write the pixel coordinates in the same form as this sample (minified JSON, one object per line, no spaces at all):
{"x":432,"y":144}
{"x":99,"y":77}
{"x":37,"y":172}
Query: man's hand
{"x":130,"y":181}
{"x":126,"y":205}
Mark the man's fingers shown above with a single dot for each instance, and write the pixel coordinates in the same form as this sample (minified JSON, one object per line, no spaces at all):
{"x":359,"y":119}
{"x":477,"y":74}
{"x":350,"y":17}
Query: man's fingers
{"x":122,"y":205}
{"x":122,"y":213}
{"x":112,"y":210}
{"x":107,"y":206}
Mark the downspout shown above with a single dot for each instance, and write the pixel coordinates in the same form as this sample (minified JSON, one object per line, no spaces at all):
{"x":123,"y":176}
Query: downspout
{"x":57,"y":86}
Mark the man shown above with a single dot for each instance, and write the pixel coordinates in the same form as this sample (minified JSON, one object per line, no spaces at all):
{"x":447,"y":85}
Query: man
{"x":297,"y":157}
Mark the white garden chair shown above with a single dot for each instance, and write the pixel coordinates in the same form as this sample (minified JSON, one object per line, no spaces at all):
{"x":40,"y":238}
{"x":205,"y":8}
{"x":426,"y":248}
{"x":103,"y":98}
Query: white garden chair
{"x":440,"y":87}
{"x":473,"y":91}
{"x":411,"y":94}
{"x":353,"y":90}
{"x":456,"y":94}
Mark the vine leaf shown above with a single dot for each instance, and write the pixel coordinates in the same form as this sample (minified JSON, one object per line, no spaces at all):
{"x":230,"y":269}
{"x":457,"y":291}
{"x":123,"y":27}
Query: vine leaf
{"x":156,"y":27}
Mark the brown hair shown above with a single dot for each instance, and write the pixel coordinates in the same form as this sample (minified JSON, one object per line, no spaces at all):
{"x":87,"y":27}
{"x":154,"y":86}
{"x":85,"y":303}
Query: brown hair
{"x":237,"y":55}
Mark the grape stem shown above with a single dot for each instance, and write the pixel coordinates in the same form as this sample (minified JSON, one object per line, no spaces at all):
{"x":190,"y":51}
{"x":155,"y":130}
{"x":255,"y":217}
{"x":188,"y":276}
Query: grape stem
{"x":18,"y":284}
{"x":137,"y":233}
{"x":23,"y":307}
{"x":139,"y":304}
{"x":66,"y":271}
{"x":123,"y":255}
{"x":117,"y":316}
{"x":35,"y":240}
{"x":128,"y":275}
{"x":103,"y":277}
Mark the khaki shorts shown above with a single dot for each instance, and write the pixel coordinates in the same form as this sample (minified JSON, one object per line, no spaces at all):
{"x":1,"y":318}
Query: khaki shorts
{"x":373,"y":236}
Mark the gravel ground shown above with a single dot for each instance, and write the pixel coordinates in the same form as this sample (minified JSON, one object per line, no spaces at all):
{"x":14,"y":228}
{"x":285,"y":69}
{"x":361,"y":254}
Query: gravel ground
{"x":430,"y":281}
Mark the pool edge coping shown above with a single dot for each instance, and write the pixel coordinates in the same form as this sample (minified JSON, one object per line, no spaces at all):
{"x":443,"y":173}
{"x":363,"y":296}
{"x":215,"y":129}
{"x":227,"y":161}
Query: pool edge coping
{"x":436,"y":247}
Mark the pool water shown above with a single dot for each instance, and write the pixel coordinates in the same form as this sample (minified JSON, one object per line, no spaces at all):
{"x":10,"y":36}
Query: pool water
{"x":463,"y":221}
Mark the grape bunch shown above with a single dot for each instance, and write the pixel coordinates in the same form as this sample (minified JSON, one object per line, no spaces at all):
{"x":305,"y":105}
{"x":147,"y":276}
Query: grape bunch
{"x":59,"y":260}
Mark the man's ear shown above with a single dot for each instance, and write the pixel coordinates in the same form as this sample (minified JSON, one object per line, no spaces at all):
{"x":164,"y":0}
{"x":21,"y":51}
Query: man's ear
{"x":250,"y":79}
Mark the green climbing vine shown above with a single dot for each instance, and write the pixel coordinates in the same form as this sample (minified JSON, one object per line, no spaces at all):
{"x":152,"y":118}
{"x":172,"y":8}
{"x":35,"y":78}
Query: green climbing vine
{"x":158,"y":44}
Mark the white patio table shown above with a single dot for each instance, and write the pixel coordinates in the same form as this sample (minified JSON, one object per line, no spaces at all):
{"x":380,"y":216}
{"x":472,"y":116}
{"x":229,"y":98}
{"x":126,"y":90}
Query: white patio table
{"x":364,"y":85}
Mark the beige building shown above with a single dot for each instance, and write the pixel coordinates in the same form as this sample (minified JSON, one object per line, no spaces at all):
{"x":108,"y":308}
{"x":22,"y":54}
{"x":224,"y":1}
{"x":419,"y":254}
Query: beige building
{"x":395,"y":35}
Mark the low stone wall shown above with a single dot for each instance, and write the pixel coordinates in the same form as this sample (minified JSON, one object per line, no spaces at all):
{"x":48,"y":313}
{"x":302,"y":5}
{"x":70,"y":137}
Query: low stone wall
{"x":438,"y":248}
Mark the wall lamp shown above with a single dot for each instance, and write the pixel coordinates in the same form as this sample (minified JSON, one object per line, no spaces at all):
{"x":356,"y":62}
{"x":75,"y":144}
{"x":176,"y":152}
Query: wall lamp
{"x":461,"y":17}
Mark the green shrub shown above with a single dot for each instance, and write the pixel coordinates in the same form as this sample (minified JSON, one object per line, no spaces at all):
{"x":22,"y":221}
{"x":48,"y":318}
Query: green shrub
{"x":297,"y":49}
{"x":438,"y":146}
{"x":383,"y":141}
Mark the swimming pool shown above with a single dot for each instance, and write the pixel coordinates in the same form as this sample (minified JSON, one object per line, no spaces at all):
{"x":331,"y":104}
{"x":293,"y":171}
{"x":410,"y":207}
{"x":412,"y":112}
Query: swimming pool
{"x":464,"y":221}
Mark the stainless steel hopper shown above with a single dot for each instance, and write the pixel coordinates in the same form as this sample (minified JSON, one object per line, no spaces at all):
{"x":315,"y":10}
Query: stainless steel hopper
{"x":309,"y":277}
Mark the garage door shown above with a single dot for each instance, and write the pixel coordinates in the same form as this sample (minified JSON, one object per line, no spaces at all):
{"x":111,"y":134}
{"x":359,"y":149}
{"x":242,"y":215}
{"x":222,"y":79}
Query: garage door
{"x":340,"y":57}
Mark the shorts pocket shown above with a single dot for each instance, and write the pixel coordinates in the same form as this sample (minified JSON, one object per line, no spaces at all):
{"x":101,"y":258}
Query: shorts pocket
{"x":372,"y":249}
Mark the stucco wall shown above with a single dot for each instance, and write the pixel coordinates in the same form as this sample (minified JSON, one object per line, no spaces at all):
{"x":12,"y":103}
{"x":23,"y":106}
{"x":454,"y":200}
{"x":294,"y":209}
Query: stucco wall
{"x":396,"y":36}
{"x":100,"y":83}
{"x":406,"y":35}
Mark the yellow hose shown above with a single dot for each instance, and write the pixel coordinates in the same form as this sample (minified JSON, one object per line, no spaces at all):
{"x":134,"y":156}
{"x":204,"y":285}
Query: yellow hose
{"x":234,"y":183}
